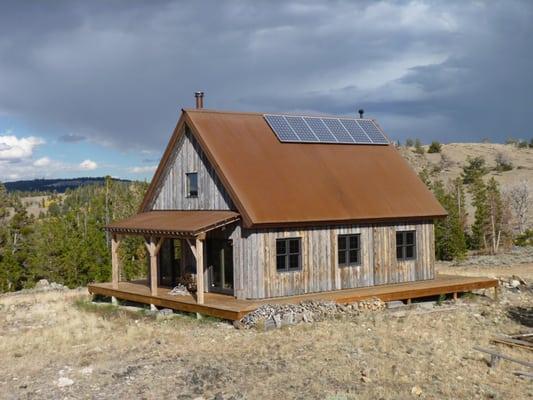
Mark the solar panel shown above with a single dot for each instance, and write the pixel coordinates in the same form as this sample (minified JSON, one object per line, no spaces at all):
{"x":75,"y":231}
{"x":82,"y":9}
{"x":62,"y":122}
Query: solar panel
{"x":355,"y":130}
{"x":304,"y":129}
{"x":338,"y":130}
{"x":373,"y":132}
{"x":320,"y":129}
{"x":281,"y":127}
{"x":301,"y":129}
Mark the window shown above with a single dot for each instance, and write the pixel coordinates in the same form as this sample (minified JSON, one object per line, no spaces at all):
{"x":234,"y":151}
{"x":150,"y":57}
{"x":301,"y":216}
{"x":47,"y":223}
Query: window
{"x":192,"y":184}
{"x":288,"y":254}
{"x":406,"y":245}
{"x":349,"y":250}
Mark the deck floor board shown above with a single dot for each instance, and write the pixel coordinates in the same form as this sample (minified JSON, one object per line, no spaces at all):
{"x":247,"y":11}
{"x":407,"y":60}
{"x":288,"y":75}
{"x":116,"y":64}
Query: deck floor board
{"x":228,"y":307}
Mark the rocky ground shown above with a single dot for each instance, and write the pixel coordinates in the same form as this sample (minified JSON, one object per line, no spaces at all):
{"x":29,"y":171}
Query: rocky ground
{"x":56,"y":344}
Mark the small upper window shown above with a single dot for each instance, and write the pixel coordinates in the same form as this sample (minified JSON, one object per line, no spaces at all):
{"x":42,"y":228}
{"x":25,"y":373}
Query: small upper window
{"x":406,"y":245}
{"x":349,"y":250}
{"x":192,"y":184}
{"x":288,"y":254}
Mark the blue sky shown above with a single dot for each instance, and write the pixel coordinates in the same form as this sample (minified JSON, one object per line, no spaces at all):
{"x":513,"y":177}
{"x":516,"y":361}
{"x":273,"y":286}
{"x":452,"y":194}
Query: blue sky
{"x":95,"y":88}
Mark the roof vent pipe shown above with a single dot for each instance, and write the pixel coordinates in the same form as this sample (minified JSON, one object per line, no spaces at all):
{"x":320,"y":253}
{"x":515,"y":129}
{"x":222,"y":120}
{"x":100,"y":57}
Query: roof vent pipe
{"x":361,"y":112}
{"x":199,"y":99}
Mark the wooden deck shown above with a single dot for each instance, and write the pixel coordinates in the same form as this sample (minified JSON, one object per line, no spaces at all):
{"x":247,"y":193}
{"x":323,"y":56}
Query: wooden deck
{"x":228,"y":307}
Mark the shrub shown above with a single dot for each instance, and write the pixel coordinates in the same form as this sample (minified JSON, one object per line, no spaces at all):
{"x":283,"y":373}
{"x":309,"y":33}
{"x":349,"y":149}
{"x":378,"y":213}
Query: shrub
{"x":435,"y":147}
{"x":418,"y":147}
{"x":522,"y":144}
{"x":503,"y":163}
{"x":531,"y":143}
{"x":525,"y":239}
{"x":409,"y":142}
{"x":474,"y":169}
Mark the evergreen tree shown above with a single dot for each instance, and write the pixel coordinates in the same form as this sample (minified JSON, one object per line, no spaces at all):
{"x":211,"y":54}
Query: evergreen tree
{"x":450,"y":240}
{"x":499,"y":231}
{"x":478,"y":239}
{"x":473,"y":170}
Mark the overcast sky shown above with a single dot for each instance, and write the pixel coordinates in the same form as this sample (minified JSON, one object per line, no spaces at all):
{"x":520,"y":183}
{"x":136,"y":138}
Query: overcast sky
{"x":91,"y":88}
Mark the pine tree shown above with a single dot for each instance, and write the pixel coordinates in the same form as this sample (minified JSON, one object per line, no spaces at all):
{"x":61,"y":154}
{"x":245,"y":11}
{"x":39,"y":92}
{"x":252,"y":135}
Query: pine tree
{"x":478,"y":239}
{"x":499,"y":231}
{"x":450,"y":243}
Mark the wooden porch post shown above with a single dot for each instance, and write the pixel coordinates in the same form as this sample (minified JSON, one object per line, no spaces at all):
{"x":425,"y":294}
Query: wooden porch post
{"x":153,"y":247}
{"x":197,"y":249}
{"x":182,"y":258}
{"x":115,"y":261}
{"x":199,"y":270}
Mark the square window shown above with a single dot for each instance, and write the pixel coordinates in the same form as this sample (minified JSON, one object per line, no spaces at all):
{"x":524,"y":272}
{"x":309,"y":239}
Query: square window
{"x":192,"y":184}
{"x":406,"y":245}
{"x":348,"y":250}
{"x":288,"y":254}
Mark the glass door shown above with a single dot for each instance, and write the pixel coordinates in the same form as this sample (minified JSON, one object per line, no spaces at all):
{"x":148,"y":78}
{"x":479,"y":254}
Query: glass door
{"x":220,"y":265}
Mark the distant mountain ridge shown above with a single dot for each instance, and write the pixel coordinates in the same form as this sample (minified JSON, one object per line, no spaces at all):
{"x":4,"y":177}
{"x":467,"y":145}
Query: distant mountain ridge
{"x":54,"y":185}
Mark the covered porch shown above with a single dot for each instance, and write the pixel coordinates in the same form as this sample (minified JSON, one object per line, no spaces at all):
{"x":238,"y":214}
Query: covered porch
{"x":182,"y":247}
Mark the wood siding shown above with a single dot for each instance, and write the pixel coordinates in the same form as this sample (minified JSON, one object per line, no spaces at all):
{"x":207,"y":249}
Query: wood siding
{"x":255,"y":274}
{"x":171,"y":194}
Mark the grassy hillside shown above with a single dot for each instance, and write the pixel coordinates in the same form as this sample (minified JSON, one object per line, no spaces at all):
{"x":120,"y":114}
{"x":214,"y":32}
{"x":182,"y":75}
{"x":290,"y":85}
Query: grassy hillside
{"x":448,"y":164}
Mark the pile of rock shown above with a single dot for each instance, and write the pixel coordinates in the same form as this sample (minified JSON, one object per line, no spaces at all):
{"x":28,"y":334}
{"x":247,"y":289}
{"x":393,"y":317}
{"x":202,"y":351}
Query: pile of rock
{"x":372,"y":304}
{"x":44,"y":286}
{"x":270,"y":316}
{"x":515,"y":282}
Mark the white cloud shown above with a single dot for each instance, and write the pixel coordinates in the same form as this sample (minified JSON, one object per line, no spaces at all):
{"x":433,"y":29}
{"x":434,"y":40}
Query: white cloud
{"x":12,"y":148}
{"x":42,"y":162}
{"x":143,"y":170}
{"x":88,"y":165}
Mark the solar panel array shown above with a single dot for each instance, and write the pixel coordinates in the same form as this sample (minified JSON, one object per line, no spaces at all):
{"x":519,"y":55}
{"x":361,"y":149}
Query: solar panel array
{"x":302,"y":129}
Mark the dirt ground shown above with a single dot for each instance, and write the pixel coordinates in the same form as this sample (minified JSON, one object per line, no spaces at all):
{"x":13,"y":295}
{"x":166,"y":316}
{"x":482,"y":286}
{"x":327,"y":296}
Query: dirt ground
{"x":54,"y":346}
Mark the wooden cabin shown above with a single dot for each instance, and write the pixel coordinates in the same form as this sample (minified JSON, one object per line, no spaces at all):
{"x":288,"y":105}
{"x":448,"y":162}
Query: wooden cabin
{"x":259,"y":205}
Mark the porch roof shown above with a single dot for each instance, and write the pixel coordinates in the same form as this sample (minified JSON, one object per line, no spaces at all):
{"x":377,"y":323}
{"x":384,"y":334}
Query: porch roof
{"x":173,"y":222}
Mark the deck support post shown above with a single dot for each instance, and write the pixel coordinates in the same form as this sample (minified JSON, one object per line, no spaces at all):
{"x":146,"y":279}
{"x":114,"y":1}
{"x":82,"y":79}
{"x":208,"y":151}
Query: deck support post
{"x":454,"y":296}
{"x":496,"y":292}
{"x":114,"y":301}
{"x":115,"y":261}
{"x":182,"y":258}
{"x":197,"y":249}
{"x":153,"y":246}
{"x":199,"y":270}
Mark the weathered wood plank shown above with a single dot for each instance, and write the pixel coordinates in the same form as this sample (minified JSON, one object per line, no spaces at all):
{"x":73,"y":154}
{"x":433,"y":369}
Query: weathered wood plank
{"x":223,"y":306}
{"x":255,"y":259}
{"x":171,"y":194}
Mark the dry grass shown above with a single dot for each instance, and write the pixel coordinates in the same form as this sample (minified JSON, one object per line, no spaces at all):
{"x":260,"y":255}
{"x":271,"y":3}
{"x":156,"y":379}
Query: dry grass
{"x":49,"y":335}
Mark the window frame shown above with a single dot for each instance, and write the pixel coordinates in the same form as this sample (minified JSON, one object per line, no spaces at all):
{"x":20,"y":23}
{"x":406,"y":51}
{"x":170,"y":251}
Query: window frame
{"x":287,"y":253}
{"x":348,"y":249}
{"x":404,"y":245}
{"x":189,"y":193}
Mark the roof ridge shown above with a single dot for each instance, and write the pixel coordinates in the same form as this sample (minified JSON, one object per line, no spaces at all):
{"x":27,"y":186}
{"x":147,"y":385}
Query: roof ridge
{"x":259,"y":113}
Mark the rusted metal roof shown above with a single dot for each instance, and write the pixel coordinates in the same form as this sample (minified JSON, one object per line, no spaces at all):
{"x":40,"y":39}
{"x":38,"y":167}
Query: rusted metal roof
{"x":178,"y":223}
{"x":282,"y":184}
